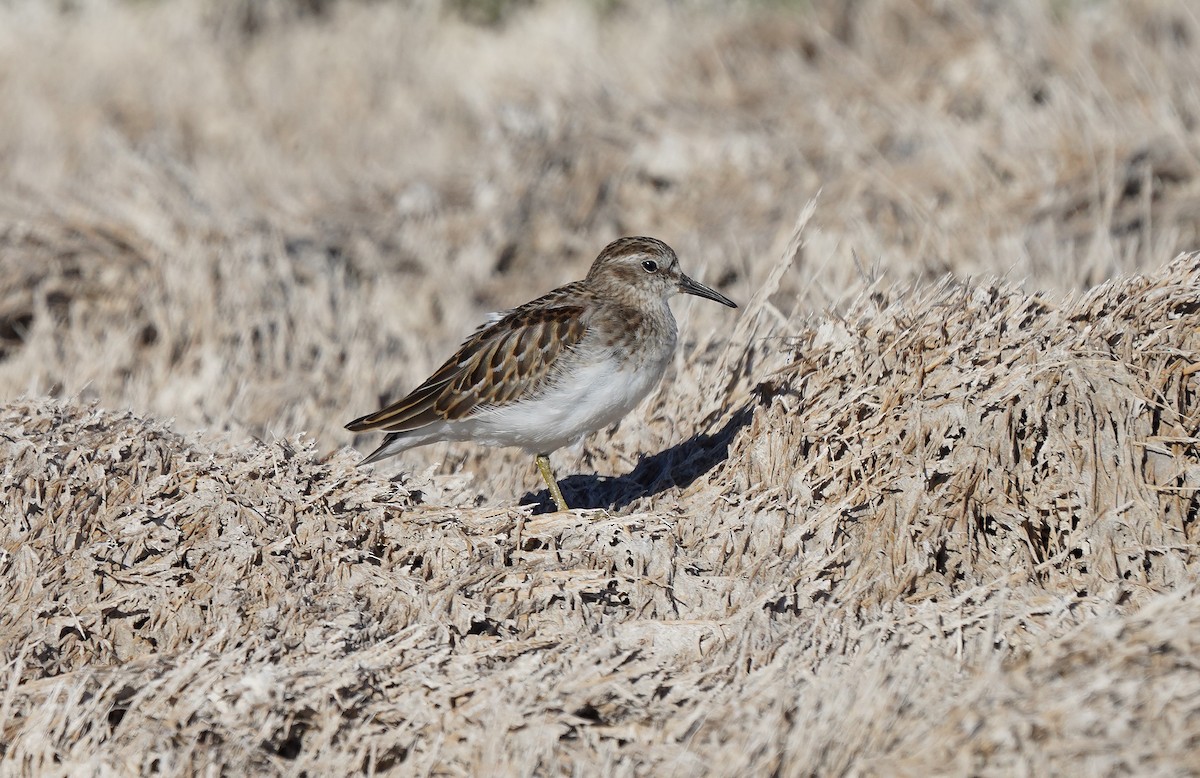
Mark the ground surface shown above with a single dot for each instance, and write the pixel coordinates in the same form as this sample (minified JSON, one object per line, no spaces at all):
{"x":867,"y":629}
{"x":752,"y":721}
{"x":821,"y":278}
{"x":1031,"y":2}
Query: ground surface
{"x":926,"y":504}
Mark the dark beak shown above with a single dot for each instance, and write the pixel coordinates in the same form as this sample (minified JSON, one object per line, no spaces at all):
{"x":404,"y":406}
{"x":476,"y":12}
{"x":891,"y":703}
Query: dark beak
{"x":688,"y":286}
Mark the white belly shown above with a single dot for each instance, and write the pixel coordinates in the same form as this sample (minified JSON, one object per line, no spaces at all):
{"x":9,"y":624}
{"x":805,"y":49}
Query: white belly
{"x":586,"y":398}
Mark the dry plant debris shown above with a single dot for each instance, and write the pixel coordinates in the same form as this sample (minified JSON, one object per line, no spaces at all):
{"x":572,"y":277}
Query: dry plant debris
{"x":956,"y":493}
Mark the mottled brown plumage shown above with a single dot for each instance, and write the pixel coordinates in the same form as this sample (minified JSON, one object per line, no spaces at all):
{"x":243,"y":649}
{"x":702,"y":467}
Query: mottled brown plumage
{"x":550,"y":371}
{"x":500,"y":363}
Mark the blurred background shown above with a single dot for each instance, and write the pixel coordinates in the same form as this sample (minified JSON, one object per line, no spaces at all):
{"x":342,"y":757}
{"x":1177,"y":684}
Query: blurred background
{"x":266,"y":217}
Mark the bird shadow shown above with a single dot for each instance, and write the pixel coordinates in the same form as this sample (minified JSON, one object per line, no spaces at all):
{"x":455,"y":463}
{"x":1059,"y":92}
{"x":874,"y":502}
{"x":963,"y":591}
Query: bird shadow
{"x":672,"y":468}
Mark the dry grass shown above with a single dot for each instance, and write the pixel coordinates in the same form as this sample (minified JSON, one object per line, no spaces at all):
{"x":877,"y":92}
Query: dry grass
{"x":927,"y":506}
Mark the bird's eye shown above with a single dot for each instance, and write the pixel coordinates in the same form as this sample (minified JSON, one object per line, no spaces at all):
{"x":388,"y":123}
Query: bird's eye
{"x":650,"y":266}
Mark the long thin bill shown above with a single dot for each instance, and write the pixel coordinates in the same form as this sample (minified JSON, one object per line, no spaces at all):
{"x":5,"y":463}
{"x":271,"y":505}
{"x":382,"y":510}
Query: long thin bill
{"x":688,"y":286}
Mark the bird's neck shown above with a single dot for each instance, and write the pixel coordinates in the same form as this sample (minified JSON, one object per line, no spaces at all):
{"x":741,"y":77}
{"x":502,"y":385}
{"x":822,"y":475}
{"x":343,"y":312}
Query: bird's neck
{"x":644,"y":329}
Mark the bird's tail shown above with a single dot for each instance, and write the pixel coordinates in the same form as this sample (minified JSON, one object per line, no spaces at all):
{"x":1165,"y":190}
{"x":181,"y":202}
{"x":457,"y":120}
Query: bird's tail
{"x":386,"y":449}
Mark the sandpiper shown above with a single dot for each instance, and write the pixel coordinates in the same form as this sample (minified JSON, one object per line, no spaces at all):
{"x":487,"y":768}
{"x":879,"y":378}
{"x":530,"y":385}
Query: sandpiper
{"x":547,"y":373}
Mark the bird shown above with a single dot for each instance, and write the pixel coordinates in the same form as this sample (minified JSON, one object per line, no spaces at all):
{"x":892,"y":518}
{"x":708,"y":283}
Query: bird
{"x":547,"y":373}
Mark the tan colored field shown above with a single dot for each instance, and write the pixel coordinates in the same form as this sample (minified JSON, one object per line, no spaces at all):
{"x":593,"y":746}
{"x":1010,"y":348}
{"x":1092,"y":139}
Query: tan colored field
{"x":926,"y":504}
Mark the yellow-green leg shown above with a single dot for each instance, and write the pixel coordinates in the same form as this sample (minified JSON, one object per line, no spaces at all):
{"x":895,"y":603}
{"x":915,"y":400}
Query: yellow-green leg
{"x":543,"y":466}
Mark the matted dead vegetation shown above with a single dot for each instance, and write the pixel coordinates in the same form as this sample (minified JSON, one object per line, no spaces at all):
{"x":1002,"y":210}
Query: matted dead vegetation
{"x":927,"y":507}
{"x":964,"y":494}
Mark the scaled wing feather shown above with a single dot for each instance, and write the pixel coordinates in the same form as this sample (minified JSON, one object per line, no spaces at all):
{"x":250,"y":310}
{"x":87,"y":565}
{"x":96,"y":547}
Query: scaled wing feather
{"x":498,"y":364}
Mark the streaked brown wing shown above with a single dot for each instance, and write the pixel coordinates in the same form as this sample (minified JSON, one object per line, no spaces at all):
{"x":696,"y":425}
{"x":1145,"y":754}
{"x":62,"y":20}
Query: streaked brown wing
{"x":496,"y":365}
